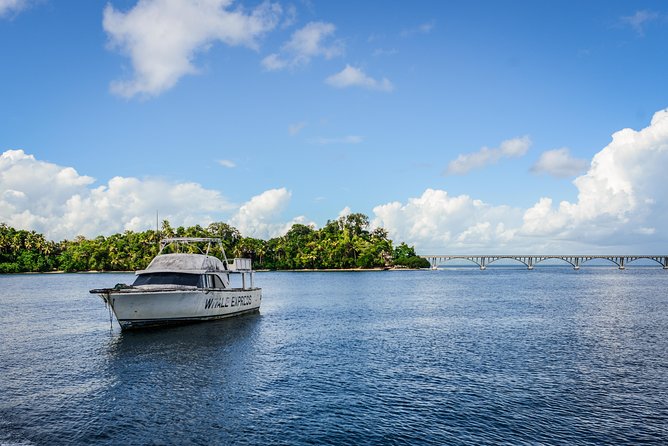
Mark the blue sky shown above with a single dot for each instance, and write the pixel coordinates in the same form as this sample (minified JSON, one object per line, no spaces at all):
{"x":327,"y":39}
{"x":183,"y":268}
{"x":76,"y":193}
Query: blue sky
{"x":457,"y":126}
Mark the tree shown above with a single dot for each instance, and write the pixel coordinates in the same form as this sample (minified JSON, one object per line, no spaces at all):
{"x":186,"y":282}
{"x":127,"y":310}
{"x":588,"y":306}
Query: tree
{"x":229,"y":235}
{"x":342,"y":243}
{"x":404,"y":255}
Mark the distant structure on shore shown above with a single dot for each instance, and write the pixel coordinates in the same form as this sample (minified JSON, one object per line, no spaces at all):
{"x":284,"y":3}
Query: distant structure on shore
{"x":530,"y":261}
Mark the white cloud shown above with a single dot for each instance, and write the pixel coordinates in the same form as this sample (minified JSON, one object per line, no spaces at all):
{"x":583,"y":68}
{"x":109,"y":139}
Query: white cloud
{"x":8,"y":7}
{"x":350,"y":139}
{"x":290,"y":17}
{"x":620,"y":194}
{"x":162,"y":37}
{"x":559,"y":163}
{"x":313,"y":40}
{"x":423,"y":28}
{"x":638,"y":20}
{"x":621,"y":205}
{"x":261,"y":216}
{"x":60,"y":203}
{"x":511,"y":148}
{"x":227,"y":163}
{"x":437,"y":221}
{"x":273,"y":62}
{"x":345,"y":212}
{"x":295,"y":128}
{"x":354,"y":77}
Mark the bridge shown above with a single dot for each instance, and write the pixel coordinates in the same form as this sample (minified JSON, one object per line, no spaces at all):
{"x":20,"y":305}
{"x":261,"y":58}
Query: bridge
{"x":530,"y":261}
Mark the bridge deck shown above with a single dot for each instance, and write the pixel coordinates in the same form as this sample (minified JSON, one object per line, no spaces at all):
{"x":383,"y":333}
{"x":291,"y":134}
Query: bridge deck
{"x":531,"y":260}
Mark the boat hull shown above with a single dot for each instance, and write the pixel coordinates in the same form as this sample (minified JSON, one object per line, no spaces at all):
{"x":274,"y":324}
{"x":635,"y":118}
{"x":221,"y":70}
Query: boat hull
{"x":137,"y":309}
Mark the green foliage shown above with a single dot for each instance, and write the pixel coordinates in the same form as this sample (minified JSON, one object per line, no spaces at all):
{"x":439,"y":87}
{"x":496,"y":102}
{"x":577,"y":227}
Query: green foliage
{"x":25,"y":251}
{"x":343,"y":243}
{"x":404,"y":255}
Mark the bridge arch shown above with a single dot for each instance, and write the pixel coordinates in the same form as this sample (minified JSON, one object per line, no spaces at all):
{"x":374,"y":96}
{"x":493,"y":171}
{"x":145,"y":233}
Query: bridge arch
{"x":441,"y":261}
{"x":561,"y":259}
{"x":613,"y":260}
{"x":515,"y":259}
{"x":653,"y":259}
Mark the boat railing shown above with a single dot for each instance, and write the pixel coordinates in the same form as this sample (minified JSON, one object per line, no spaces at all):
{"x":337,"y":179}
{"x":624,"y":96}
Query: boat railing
{"x":177,"y":241}
{"x":239,"y":265}
{"x":244,"y":268}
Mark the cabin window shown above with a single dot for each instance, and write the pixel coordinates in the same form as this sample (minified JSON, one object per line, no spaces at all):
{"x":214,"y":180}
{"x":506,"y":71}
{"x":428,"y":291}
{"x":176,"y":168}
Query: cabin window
{"x":217,"y":283}
{"x":167,"y":279}
{"x":212,"y":281}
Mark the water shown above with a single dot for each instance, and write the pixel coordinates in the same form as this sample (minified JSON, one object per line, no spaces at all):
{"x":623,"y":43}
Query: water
{"x":503,"y":356}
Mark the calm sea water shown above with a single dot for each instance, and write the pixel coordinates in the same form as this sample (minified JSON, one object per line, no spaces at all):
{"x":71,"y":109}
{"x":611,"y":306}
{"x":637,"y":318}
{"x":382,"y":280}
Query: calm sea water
{"x":503,"y":356}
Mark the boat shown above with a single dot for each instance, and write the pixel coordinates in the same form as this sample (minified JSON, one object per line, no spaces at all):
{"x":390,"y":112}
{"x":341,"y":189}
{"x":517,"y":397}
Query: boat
{"x":184,"y":286}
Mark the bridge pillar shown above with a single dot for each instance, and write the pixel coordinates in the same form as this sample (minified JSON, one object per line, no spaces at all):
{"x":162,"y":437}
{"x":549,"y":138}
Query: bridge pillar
{"x":621,"y":263}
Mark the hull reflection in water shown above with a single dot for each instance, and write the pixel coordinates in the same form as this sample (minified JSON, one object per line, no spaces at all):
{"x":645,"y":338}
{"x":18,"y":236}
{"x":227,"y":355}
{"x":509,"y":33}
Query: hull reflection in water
{"x":183,"y":288}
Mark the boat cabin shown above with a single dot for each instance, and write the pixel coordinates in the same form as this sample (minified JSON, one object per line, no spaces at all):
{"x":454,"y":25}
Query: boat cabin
{"x":193,"y":270}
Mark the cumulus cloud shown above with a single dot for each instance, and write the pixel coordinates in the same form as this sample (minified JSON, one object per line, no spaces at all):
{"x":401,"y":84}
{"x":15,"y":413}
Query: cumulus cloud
{"x":639,"y":20}
{"x":621,"y":205}
{"x":619,"y":194}
{"x":559,"y":163}
{"x":8,"y":7}
{"x":313,"y":40}
{"x":61,"y":203}
{"x":437,"y":221}
{"x":261,"y":217}
{"x":162,"y":37}
{"x":354,"y":77}
{"x":345,"y":212}
{"x":511,"y":148}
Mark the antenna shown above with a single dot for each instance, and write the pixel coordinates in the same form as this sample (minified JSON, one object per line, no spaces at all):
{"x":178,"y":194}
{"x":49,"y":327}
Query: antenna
{"x":157,"y":228}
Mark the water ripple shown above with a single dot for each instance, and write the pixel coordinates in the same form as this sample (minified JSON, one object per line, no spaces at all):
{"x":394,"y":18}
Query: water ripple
{"x":434,"y":357}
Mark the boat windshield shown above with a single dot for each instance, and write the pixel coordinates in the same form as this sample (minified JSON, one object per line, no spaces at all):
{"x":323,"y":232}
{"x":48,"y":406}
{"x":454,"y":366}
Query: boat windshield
{"x":167,"y":279}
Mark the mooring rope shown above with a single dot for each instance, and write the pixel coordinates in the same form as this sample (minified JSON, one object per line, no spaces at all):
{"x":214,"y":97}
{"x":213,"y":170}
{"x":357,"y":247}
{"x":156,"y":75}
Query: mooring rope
{"x":111,"y":317}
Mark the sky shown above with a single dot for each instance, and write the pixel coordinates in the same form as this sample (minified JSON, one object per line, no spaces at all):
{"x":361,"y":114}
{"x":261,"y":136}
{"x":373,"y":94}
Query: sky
{"x":460,"y":127}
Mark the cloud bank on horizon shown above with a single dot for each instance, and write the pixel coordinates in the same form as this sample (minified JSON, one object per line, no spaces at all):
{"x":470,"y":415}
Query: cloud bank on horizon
{"x":621,"y":204}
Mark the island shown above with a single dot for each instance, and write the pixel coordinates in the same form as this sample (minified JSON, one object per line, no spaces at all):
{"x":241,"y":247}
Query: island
{"x":344,"y":243}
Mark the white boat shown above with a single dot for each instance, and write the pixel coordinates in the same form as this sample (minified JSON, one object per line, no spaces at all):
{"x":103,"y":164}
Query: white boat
{"x":184,"y":287}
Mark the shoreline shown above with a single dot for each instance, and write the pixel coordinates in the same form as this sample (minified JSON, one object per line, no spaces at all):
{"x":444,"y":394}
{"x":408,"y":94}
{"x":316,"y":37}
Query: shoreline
{"x":305,"y":270}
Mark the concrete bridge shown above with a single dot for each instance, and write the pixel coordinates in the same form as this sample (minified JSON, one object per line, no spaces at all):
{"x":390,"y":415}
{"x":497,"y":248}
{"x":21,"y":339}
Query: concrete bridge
{"x":530,"y":261}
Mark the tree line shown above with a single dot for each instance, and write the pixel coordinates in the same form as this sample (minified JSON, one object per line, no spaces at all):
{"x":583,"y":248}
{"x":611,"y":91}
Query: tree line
{"x":343,"y":243}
